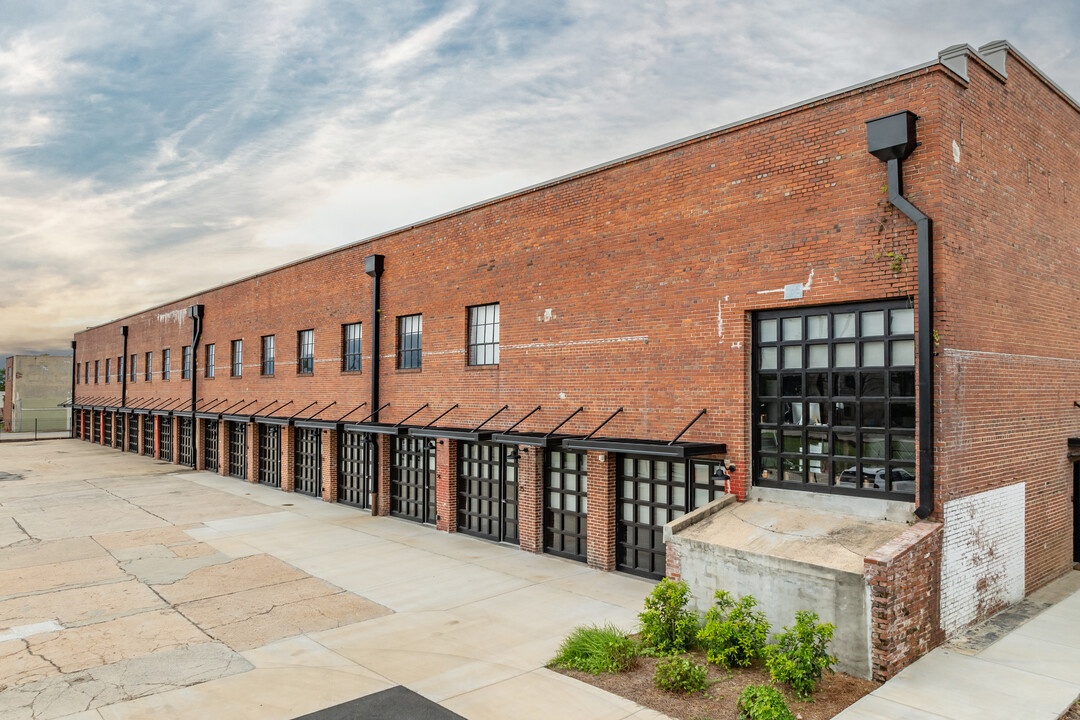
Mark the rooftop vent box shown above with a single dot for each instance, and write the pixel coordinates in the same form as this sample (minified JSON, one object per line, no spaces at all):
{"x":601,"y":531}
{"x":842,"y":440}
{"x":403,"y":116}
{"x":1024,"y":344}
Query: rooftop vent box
{"x":891,"y":137}
{"x":373,"y":265}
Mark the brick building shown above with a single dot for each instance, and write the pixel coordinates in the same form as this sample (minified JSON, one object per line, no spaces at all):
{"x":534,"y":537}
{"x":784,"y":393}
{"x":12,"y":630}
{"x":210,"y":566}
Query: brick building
{"x":524,"y":369}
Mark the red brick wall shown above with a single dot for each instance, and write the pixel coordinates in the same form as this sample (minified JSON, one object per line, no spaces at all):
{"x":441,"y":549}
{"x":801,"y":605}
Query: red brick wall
{"x":530,"y":475}
{"x":600,"y":523}
{"x":905,"y":583}
{"x":329,"y":465}
{"x":446,"y":474}
{"x":1008,"y":292}
{"x":381,"y":504}
{"x":288,"y":466}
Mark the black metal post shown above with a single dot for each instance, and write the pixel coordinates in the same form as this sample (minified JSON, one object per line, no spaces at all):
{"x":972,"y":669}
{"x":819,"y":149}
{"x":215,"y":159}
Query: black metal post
{"x":373,"y":266}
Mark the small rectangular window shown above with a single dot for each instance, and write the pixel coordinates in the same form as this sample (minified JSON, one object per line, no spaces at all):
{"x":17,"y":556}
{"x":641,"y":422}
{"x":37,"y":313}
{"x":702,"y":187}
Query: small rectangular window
{"x":484,"y":334}
{"x":86,"y":373}
{"x":134,"y":367}
{"x":268,"y":355}
{"x":305,"y":341}
{"x":237,"y":358}
{"x":108,"y":369}
{"x":149,"y":366}
{"x":351,"y":336}
{"x":120,"y":369}
{"x":166,"y":358}
{"x":185,"y":362}
{"x":97,"y":371}
{"x":210,"y":360}
{"x":410,"y":341}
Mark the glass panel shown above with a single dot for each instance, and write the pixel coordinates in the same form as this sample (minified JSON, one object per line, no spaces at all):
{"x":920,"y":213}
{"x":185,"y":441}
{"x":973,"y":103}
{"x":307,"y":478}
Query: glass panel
{"x":769,"y":413}
{"x":818,"y":356}
{"x":793,"y":442}
{"x":793,"y":328}
{"x":770,"y":464}
{"x":873,"y":354}
{"x":872,"y":385}
{"x":793,"y":413}
{"x":768,"y":385}
{"x":791,"y":385}
{"x":902,"y":321}
{"x":768,"y":358}
{"x":903,"y":415}
{"x":817,"y":384}
{"x":767,"y":330}
{"x":873,"y":445}
{"x":817,"y":441}
{"x":873,"y":414}
{"x":845,"y":384}
{"x":678,"y":474}
{"x":701,"y":473}
{"x":770,"y":440}
{"x":903,"y":478}
{"x":644,"y":469}
{"x":817,"y":327}
{"x":678,"y":496}
{"x":793,"y":469}
{"x":661,"y":516}
{"x":660,"y":492}
{"x":643,"y":491}
{"x":701,"y":497}
{"x":873,"y":323}
{"x":903,"y":352}
{"x":845,"y":355}
{"x":815,"y":413}
{"x":844,"y":413}
{"x":661,"y":470}
{"x":819,"y":471}
{"x":902,"y":383}
{"x":903,"y":448}
{"x":628,"y":467}
{"x":793,"y":356}
{"x":844,"y":325}
{"x":844,"y":444}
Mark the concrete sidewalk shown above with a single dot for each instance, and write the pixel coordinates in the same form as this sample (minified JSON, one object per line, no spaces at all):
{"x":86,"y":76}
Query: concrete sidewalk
{"x":1013,"y":666}
{"x":6,"y":436}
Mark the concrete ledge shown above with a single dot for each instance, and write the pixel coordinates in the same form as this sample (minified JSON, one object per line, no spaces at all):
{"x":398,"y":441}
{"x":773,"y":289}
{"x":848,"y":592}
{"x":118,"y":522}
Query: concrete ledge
{"x":684,"y":521}
{"x":861,"y":507}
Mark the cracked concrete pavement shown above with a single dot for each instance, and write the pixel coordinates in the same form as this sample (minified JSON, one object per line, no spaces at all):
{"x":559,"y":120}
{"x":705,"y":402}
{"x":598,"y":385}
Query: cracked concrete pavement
{"x":131,"y":588}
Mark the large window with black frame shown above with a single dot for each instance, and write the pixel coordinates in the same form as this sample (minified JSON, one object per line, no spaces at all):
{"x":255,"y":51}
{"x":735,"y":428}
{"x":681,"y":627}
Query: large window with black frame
{"x":149,"y":366}
{"x":351,"y":337}
{"x":269,"y":454}
{"x":134,"y":367}
{"x":566,"y":504}
{"x":211,"y":428}
{"x":107,"y":429}
{"x":133,"y":433}
{"x":148,"y":435}
{"x":268,"y":355}
{"x":412,"y":478}
{"x":487,"y":491}
{"x":187,"y":441}
{"x":356,"y":468}
{"x":410,"y":342}
{"x":166,"y":430}
{"x":305,"y":352}
{"x":237,"y":450}
{"x":185,"y":362}
{"x":484,"y":335}
{"x":651,"y":492}
{"x":237,"y":360}
{"x":834,"y":399}
{"x":108,"y":369}
{"x":307,"y":461}
{"x":210,"y":352}
{"x":166,"y":361}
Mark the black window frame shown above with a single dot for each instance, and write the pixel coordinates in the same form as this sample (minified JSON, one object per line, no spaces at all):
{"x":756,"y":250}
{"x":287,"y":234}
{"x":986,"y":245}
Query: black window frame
{"x":236,"y":362}
{"x":266,"y":364}
{"x":867,"y":427}
{"x":410,"y":349}
{"x":211,"y":351}
{"x":305,"y":352}
{"x":134,"y":367}
{"x":185,"y":362}
{"x":97,"y":371}
{"x":483,"y":336}
{"x":166,"y":360}
{"x":108,"y":370}
{"x":352,"y":348}
{"x":149,"y":366}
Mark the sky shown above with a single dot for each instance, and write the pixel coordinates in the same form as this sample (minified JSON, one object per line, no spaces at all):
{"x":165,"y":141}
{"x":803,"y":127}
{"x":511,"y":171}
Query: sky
{"x":149,"y":149}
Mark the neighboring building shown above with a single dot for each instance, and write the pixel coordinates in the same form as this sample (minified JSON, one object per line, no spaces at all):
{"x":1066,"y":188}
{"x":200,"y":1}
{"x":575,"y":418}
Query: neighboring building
{"x":522,"y":368}
{"x":37,"y":393}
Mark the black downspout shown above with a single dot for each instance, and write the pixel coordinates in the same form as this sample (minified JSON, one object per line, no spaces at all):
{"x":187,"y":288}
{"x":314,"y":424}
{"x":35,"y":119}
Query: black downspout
{"x":124,"y":368}
{"x":892,"y":139}
{"x":195,"y":312}
{"x":74,"y":372}
{"x":373,"y":266}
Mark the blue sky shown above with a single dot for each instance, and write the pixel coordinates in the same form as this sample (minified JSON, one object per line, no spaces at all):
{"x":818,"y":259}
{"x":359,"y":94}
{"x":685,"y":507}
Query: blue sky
{"x":150,"y":149}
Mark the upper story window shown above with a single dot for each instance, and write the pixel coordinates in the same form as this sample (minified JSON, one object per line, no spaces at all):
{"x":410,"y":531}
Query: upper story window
{"x":86,"y":373}
{"x":351,"y":336}
{"x":834,"y":399}
{"x":120,"y":369}
{"x":185,"y":362}
{"x":268,"y":355}
{"x":134,"y":367}
{"x":210,"y":360}
{"x":108,"y":369}
{"x":166,"y":359}
{"x":237,"y":358}
{"x":149,"y":366}
{"x":97,"y":370}
{"x":484,"y":334}
{"x":305,"y":342}
{"x":410,"y":341}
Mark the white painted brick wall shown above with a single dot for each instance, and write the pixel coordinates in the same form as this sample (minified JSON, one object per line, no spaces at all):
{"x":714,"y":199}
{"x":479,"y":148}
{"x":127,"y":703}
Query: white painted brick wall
{"x":982,"y":556}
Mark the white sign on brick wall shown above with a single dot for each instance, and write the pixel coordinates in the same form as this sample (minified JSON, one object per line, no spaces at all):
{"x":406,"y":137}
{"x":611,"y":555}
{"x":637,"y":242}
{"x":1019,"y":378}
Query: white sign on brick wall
{"x":982,"y":568}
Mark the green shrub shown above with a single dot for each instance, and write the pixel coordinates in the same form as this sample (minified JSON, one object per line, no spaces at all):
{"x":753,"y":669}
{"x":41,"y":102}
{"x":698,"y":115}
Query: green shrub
{"x":667,"y":626}
{"x":677,"y":674}
{"x":734,"y":634}
{"x":800,"y":655}
{"x":597,"y":649}
{"x":761,"y":702}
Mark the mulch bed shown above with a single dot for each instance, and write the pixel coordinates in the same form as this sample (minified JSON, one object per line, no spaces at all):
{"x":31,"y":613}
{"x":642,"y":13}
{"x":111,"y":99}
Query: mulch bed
{"x":1073,"y":714}
{"x":834,"y":693}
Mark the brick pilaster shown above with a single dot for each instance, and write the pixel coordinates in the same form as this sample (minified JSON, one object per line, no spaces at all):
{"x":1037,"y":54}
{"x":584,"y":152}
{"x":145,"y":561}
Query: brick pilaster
{"x":175,"y":423}
{"x":156,"y":419}
{"x":601,"y":518}
{"x":198,"y":441}
{"x":288,"y":458}
{"x":252,"y":452}
{"x":329,"y":447}
{"x":223,"y":448}
{"x":446,"y":475}
{"x":101,"y":424}
{"x":530,"y":474}
{"x":380,"y":502}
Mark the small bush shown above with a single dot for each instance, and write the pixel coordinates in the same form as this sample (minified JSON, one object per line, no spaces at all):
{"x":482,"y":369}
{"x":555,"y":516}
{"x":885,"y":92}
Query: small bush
{"x":734,"y":634}
{"x":597,"y":649}
{"x":677,"y":674}
{"x":761,"y":702}
{"x":800,"y":655}
{"x":667,"y":626}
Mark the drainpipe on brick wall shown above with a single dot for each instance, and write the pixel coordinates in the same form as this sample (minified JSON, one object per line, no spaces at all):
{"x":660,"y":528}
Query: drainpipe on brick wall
{"x":891,"y":139}
{"x":195,"y":312}
{"x":74,"y":371}
{"x":373,"y":266}
{"x":124,"y":368}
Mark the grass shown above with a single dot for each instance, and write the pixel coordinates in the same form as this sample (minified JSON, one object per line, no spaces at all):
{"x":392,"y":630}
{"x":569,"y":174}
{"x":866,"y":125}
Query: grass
{"x":597,"y":649}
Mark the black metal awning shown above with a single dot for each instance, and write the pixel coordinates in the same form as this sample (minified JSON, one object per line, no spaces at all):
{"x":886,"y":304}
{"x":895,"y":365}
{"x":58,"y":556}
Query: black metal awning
{"x":659,"y":448}
{"x":533,"y":439}
{"x":97,"y":408}
{"x":454,"y":433}
{"x":271,"y":420}
{"x":141,"y":411}
{"x":317,"y":424}
{"x":236,"y":418}
{"x":161,"y":412}
{"x":208,"y":415}
{"x":125,"y":410}
{"x":378,"y":428}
